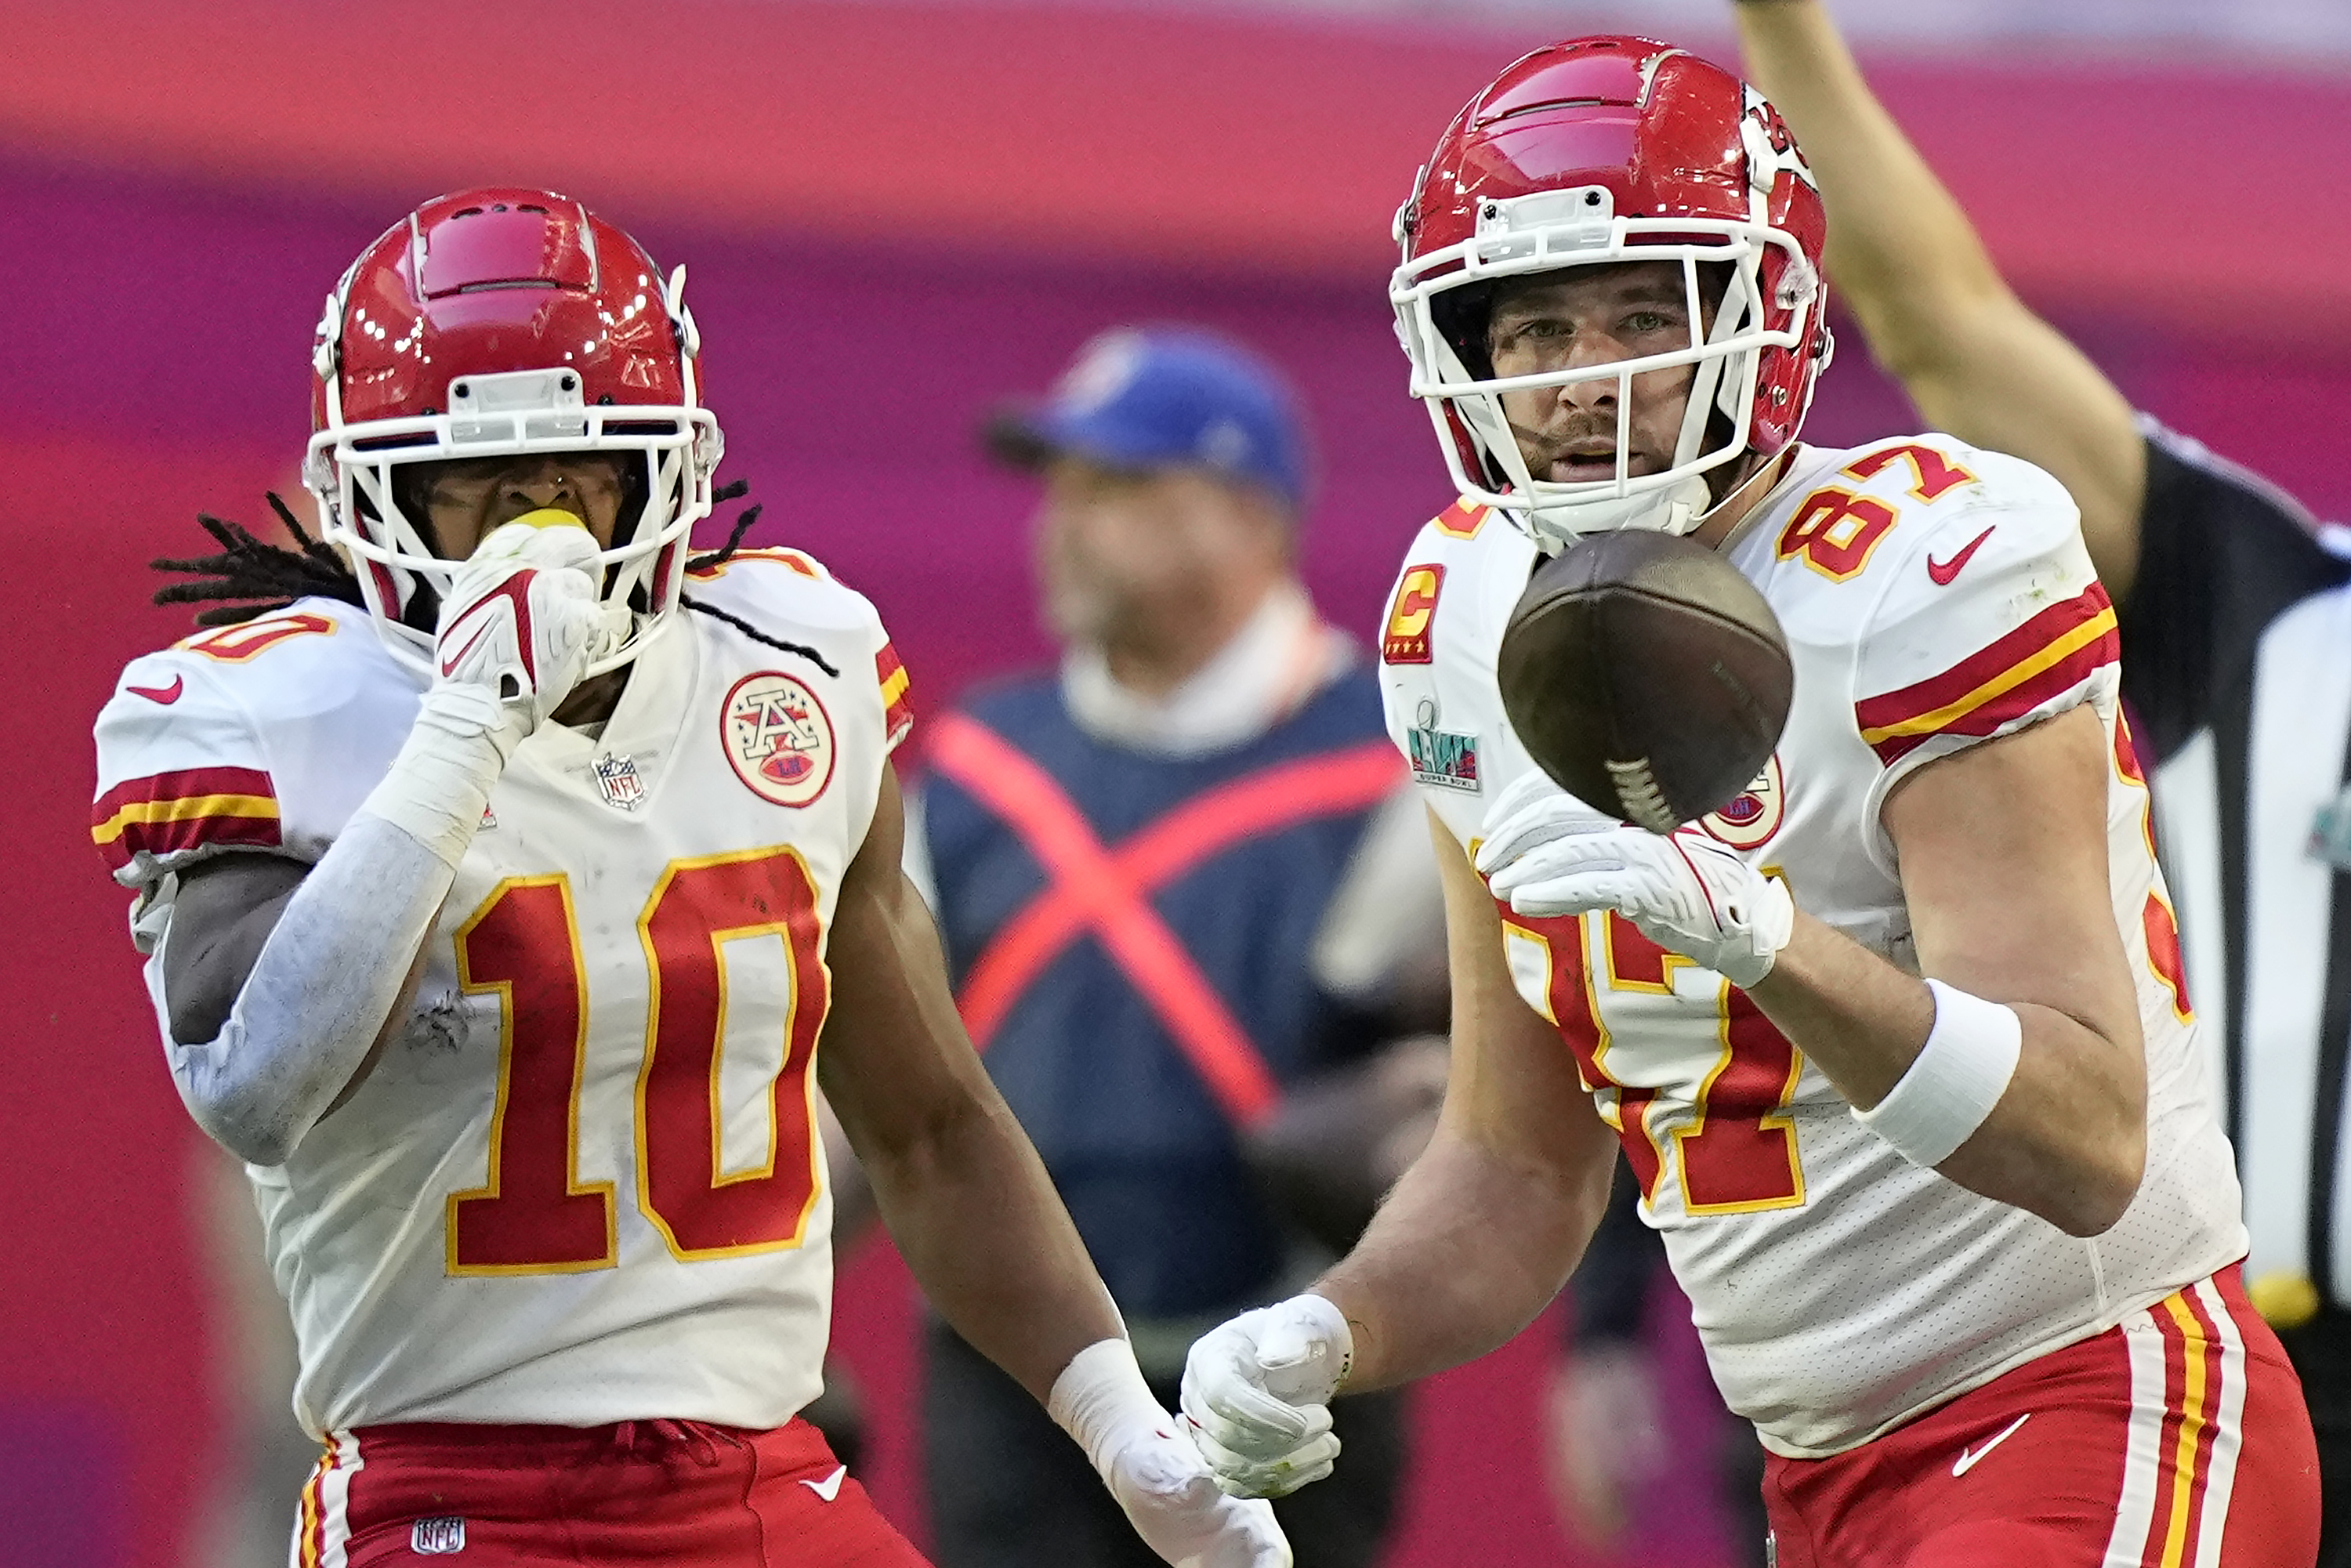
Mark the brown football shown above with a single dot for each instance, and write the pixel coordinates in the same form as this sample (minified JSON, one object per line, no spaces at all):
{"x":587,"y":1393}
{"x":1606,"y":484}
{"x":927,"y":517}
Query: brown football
{"x":1647,"y":676}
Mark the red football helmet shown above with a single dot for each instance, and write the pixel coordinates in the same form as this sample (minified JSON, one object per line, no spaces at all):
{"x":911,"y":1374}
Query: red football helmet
{"x":496,"y":323}
{"x":1595,"y":152}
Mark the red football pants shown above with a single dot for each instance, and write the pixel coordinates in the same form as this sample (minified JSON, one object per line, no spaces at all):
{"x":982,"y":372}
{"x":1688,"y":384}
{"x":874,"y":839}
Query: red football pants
{"x":680,"y":1494}
{"x":2178,"y":1439}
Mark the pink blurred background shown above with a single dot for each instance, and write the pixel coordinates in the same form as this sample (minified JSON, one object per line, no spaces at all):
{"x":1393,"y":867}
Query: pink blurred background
{"x":893,"y":215}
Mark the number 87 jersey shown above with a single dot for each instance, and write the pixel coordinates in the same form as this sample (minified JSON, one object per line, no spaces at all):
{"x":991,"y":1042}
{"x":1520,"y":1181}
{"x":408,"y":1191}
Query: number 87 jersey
{"x":1934,"y":596}
{"x":580,"y":1186}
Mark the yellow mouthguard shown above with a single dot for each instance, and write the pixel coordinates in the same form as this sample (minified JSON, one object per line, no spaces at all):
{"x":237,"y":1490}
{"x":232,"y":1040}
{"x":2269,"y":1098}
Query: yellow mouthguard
{"x":550,"y":517}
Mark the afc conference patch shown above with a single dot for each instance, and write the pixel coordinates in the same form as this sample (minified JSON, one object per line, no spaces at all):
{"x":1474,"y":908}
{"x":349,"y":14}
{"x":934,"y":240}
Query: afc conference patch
{"x":1447,"y":758}
{"x":778,"y":737}
{"x":1754,"y":814}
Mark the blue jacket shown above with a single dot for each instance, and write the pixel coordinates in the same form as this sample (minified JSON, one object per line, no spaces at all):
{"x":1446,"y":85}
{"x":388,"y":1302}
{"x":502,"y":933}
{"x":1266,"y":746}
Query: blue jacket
{"x":1144,"y":1157}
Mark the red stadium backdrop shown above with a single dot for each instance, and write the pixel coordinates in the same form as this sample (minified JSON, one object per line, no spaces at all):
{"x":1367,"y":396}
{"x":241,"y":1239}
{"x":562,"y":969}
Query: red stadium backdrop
{"x":893,"y":216}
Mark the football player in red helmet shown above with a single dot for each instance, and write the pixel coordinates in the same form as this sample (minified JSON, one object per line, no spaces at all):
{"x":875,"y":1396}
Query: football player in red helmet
{"x":494,"y":909}
{"x":1899,"y":1051}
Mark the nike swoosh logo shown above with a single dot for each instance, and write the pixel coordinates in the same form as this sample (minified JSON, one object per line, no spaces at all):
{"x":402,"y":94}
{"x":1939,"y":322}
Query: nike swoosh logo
{"x":1969,"y":1458}
{"x":449,"y":664}
{"x":829,"y":1488}
{"x":165,"y":695}
{"x":1943,"y":571}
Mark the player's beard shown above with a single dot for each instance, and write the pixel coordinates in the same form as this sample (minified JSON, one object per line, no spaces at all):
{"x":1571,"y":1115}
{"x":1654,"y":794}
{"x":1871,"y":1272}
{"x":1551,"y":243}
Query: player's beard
{"x":1542,"y":449}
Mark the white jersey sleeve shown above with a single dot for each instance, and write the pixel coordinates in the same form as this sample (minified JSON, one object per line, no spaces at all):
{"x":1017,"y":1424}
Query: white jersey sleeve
{"x":1990,"y":618}
{"x":1466,"y":570}
{"x":776,"y":596}
{"x":261,"y":736}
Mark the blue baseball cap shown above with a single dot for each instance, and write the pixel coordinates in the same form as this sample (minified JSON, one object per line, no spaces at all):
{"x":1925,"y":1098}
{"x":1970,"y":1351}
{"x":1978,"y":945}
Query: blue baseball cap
{"x":1165,"y":397}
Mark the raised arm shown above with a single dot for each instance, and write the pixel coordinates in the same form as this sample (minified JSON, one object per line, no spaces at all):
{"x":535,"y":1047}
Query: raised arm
{"x":1934,"y":309}
{"x":281,"y":983}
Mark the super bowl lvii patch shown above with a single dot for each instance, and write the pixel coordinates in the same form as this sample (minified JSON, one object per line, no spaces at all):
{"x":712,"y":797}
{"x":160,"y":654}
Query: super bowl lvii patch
{"x":1447,"y":758}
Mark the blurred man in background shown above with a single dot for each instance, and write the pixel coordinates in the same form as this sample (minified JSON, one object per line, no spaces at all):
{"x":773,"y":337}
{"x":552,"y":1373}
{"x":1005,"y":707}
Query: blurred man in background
{"x":2236,"y":668}
{"x":1182,"y":893}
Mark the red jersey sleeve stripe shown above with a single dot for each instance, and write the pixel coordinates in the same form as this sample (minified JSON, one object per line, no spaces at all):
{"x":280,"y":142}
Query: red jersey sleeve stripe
{"x":2045,"y":685}
{"x":897,"y":715}
{"x":2058,"y":636}
{"x":165,"y":812}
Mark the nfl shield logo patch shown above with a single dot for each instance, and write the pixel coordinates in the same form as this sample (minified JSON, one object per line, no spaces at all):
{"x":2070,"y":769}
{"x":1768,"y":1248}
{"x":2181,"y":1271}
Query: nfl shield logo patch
{"x":617,"y":781}
{"x":436,"y":1537}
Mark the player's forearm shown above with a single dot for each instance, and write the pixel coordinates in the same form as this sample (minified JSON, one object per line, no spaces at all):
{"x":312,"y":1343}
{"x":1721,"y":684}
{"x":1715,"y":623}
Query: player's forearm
{"x":335,"y":967}
{"x":977,"y":1221}
{"x":2066,"y":1140}
{"x":319,"y":997}
{"x":1900,"y":248}
{"x":1468,"y":1249}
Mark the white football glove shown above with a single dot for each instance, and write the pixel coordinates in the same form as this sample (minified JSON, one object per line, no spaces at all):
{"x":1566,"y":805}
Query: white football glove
{"x":1257,"y":1394}
{"x":1173,"y":1503}
{"x":1548,"y":853}
{"x":522,"y":620}
{"x":1161,"y":1483}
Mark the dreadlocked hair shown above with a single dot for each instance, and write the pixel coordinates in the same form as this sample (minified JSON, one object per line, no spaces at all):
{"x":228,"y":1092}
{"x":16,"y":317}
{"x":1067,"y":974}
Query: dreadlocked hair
{"x":726,"y":553}
{"x":249,"y":569}
{"x":251,"y":577}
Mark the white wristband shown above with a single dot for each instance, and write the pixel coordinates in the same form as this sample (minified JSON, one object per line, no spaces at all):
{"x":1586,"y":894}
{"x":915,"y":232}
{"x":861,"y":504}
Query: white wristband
{"x":438,"y":786}
{"x":1958,"y":1077}
{"x":1101,"y":1400}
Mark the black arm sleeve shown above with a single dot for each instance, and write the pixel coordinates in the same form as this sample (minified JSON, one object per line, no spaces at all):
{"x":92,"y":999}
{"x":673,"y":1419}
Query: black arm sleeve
{"x":2221,"y":553}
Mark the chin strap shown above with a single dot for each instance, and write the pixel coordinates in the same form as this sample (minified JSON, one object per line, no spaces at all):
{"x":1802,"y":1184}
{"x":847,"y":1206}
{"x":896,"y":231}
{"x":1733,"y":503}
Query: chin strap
{"x":1774,"y":468}
{"x":1679,"y":509}
{"x":1683,"y":509}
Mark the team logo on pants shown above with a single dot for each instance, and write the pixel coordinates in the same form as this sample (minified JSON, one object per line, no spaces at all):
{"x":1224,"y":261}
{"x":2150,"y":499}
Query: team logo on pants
{"x":780,"y":739}
{"x":436,"y":1537}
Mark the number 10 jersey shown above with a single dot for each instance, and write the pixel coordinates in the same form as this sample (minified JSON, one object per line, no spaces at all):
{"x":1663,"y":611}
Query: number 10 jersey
{"x":582,"y":1185}
{"x":1933,"y":596}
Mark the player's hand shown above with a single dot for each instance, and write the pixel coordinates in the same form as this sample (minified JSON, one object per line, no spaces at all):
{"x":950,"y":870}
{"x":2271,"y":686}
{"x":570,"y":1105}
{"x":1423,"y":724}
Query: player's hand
{"x":1172,"y":1500}
{"x":1549,"y":855}
{"x":1257,"y":1395}
{"x":522,"y":621}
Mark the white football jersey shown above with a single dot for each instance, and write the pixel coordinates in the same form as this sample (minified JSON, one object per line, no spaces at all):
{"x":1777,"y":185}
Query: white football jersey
{"x":581,"y":1186}
{"x":1933,"y":595}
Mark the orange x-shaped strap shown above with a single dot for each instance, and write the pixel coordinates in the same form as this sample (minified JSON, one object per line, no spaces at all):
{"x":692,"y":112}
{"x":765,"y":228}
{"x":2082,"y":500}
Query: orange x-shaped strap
{"x":1104,"y":890}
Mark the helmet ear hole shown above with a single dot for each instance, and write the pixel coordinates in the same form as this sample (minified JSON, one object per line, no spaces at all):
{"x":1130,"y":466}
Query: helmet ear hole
{"x":1461,"y":315}
{"x":636,"y":495}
